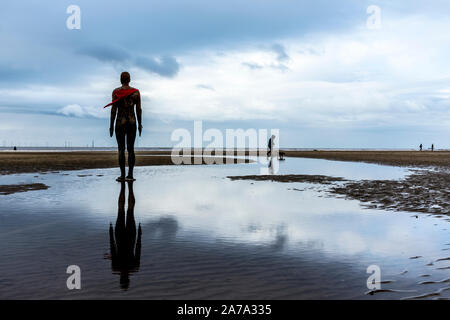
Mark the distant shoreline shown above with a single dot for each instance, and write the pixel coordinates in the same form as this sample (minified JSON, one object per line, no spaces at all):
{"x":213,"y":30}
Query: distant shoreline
{"x":410,"y":194}
{"x":168,"y":149}
{"x":32,"y":162}
{"x":437,"y":159}
{"x":37,"y":161}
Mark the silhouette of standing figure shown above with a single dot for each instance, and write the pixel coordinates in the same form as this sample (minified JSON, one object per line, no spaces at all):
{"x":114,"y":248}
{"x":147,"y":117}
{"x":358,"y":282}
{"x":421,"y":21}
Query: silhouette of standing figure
{"x":125,"y":248}
{"x":432,"y":147}
{"x":122,"y":111}
{"x":420,"y":147}
{"x":270,"y":145}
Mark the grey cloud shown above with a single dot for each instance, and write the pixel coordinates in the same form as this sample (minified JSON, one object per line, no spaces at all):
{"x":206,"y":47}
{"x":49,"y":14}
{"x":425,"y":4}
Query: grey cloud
{"x":205,"y":86}
{"x":192,"y":24}
{"x":281,"y":57}
{"x":166,"y":66}
{"x":18,"y":109}
{"x":105,"y":53}
{"x":279,"y":66}
{"x":252,"y":65}
{"x":310,"y":51}
{"x":280,"y":52}
{"x":75,"y":110}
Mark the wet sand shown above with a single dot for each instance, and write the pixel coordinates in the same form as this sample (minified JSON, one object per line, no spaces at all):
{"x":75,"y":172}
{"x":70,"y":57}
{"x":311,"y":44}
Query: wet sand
{"x":14,"y":188}
{"x":27,"y":162}
{"x":394,"y":158}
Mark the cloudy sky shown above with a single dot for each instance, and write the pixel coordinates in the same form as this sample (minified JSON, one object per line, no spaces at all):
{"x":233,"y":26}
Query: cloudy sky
{"x":312,"y":69}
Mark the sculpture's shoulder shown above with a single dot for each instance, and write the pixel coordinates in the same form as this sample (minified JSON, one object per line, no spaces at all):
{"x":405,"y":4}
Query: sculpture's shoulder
{"x":135,"y":94}
{"x":114,"y":91}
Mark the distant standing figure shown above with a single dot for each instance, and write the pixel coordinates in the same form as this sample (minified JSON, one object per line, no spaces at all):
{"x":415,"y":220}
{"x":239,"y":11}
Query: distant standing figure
{"x":432,"y":147}
{"x":270,"y":145}
{"x":420,"y":147}
{"x":15,"y":148}
{"x":124,"y":99}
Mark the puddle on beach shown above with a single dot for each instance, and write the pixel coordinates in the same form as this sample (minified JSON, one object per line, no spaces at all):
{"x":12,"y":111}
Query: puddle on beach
{"x":207,"y":237}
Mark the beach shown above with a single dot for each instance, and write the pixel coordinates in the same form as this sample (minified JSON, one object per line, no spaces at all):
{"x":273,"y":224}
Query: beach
{"x":207,"y":236}
{"x":28,"y":162}
{"x":393,"y":158}
{"x":424,"y":190}
{"x":22,"y":162}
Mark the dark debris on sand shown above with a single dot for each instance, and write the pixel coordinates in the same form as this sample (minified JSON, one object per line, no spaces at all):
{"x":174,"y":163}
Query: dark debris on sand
{"x":290,"y":178}
{"x":423,"y":191}
{"x":14,"y":188}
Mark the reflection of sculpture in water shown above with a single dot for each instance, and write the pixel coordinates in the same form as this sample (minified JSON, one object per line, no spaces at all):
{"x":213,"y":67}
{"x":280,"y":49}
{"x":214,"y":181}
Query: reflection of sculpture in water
{"x":271,"y":166}
{"x":270,"y":145}
{"x":125,"y":248}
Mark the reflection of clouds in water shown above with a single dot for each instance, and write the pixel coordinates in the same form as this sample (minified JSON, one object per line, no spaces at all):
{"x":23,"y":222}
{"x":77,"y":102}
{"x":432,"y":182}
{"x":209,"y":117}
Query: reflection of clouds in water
{"x":226,"y":208}
{"x":281,"y":238}
{"x":396,"y":237}
{"x":204,"y":202}
{"x":198,"y":225}
{"x":253,"y":213}
{"x":350,"y":242}
{"x":165,"y":228}
{"x":401,"y":238}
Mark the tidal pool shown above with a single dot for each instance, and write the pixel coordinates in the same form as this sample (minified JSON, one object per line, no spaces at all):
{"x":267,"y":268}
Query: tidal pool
{"x":204,"y":236}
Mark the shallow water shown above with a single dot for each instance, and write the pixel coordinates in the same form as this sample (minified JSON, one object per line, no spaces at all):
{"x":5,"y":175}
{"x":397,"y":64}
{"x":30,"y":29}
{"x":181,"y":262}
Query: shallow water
{"x":204,"y":236}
